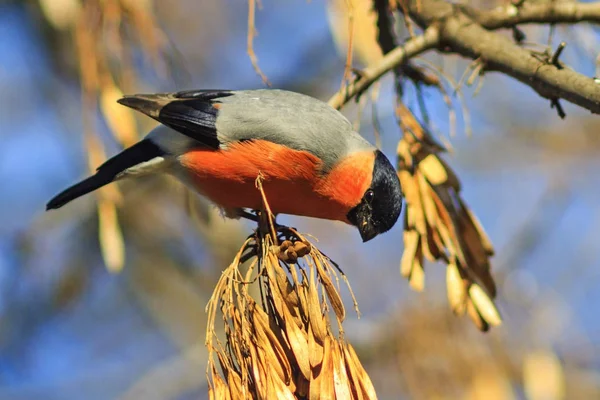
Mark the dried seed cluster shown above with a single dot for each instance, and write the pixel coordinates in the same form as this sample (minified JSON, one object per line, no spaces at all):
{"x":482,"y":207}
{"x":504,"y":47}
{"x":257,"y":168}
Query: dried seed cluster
{"x":439,"y":225}
{"x":290,"y":252}
{"x":279,"y":343}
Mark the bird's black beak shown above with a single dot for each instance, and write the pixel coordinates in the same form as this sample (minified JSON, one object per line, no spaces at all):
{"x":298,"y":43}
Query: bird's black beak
{"x":360,"y":216}
{"x":367,"y":231}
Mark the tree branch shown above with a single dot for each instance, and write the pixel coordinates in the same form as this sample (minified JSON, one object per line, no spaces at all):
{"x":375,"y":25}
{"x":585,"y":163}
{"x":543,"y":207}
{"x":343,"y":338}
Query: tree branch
{"x":413,"y":47}
{"x":552,"y":12}
{"x":387,"y":43}
{"x":462,"y":35}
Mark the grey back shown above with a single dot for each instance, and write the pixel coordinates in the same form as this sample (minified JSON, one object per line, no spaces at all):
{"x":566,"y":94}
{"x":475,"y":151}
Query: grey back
{"x":288,"y":118}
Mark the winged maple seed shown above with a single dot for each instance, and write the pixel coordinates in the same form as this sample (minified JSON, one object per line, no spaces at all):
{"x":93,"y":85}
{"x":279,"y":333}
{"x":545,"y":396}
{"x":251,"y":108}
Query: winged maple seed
{"x":438,"y":225}
{"x":275,"y":300}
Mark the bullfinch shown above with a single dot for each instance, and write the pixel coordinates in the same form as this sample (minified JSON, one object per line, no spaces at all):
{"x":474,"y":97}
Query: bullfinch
{"x":217,"y":142}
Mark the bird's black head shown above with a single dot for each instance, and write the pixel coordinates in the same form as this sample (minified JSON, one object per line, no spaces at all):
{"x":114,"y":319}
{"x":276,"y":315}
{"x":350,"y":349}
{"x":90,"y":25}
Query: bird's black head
{"x":381,"y":204}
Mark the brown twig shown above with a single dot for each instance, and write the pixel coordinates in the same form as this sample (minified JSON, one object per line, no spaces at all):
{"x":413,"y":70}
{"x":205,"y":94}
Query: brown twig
{"x":349,"y":51}
{"x":428,"y":40}
{"x":250,"y":42}
{"x":401,"y":5}
{"x":269,"y":217}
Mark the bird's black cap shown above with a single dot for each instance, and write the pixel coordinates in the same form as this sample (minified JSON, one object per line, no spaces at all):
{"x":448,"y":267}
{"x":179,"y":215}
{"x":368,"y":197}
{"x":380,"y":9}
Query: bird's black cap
{"x":381,"y":204}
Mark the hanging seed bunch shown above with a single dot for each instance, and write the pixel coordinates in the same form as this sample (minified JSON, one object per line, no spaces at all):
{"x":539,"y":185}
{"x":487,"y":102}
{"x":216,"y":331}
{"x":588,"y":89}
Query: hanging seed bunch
{"x":438,"y":225}
{"x":277,"y":300}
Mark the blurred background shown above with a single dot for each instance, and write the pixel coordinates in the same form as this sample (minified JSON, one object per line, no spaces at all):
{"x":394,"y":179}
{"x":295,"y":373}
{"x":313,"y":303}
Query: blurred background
{"x":105,"y":298}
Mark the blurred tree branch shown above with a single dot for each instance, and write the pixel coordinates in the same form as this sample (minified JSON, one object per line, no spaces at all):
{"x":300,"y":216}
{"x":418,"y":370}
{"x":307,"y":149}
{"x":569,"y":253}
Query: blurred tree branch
{"x":552,"y":12}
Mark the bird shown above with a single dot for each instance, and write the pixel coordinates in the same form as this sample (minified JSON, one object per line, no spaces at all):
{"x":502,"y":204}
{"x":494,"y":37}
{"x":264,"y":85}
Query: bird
{"x":217,"y":142}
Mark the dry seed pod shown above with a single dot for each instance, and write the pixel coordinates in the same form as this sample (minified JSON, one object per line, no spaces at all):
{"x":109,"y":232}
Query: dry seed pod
{"x":219,"y":389}
{"x":405,"y":158}
{"x":315,"y":384}
{"x":275,"y":297}
{"x":476,"y":254}
{"x":430,"y":213}
{"x":410,"y":220}
{"x":278,"y":389}
{"x":446,"y":225}
{"x":457,"y":293}
{"x":416,"y":279}
{"x":274,"y":353}
{"x":304,"y":290}
{"x":340,"y":376}
{"x":485,"y":240}
{"x":317,"y":322}
{"x":285,"y":245}
{"x":431,"y":244}
{"x":302,"y":388}
{"x":447,"y":239}
{"x":315,"y":350}
{"x":417,"y":207}
{"x":411,"y":243}
{"x":291,"y":255}
{"x":433,"y":170}
{"x":298,"y":341}
{"x":451,"y":178}
{"x":260,"y":377}
{"x":484,"y":305}
{"x":363,"y":378}
{"x":327,"y":388}
{"x":332,"y":294}
{"x":301,"y":249}
{"x":234,"y":381}
{"x":409,"y":186}
{"x":283,"y":256}
{"x":438,"y":172}
{"x":286,"y":288}
{"x":263,"y":329}
{"x":354,"y":381}
{"x":476,"y":317}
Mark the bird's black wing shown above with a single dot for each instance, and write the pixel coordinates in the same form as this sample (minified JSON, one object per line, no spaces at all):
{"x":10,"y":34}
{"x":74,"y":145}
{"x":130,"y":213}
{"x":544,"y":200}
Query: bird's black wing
{"x":191,"y":112}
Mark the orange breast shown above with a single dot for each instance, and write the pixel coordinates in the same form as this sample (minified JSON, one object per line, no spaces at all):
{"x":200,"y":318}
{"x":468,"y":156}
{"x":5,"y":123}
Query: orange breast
{"x":292,"y":181}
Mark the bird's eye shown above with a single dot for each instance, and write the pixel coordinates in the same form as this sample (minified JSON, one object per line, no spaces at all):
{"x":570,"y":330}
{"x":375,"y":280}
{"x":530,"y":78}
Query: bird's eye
{"x":369,"y":196}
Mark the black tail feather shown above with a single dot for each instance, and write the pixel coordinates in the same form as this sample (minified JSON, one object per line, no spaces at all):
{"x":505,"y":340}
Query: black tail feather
{"x":79,"y":189}
{"x":107,"y":172}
